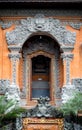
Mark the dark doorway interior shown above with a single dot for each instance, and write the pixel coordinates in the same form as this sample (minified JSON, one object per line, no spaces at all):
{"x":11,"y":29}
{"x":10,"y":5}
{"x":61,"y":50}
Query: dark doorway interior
{"x":40,"y":76}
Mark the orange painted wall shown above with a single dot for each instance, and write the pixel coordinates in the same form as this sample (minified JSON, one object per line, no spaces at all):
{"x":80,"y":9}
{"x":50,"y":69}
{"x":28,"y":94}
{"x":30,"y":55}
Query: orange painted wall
{"x":5,"y":66}
{"x":5,"y":63}
{"x":76,"y":63}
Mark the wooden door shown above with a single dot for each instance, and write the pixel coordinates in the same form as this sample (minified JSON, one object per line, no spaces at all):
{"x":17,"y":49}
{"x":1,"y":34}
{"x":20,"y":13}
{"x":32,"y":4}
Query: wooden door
{"x":40,"y":76}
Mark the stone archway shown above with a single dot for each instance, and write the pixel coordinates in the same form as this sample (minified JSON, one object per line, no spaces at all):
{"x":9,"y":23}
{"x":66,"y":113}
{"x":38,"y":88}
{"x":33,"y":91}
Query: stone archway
{"x":47,"y":47}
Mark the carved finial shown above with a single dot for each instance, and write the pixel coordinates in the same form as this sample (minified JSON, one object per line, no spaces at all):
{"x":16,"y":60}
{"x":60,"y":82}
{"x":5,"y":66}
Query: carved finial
{"x":39,"y":15}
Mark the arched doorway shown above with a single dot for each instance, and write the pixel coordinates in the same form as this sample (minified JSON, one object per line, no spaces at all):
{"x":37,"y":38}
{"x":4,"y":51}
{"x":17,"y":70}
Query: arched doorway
{"x":41,"y":67}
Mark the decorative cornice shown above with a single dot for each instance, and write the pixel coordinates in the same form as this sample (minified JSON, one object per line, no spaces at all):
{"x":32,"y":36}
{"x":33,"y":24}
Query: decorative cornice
{"x":14,"y":56}
{"x":75,"y":25}
{"x":40,"y":24}
{"x":33,"y":12}
{"x":8,"y":23}
{"x":67,"y":48}
{"x":67,"y":56}
{"x":14,"y":48}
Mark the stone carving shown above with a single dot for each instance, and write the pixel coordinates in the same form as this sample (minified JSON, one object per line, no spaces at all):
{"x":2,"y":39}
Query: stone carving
{"x":14,"y":58}
{"x":75,"y":25}
{"x":78,"y":84}
{"x":30,"y":25}
{"x":18,"y":123}
{"x":77,"y":126}
{"x":72,"y":126}
{"x":67,"y":58}
{"x":57,"y":74}
{"x":67,"y":92}
{"x":5,"y":24}
{"x":25,"y":75}
{"x":68,"y":126}
{"x":13,"y":92}
{"x":8,"y":23}
{"x":14,"y":48}
{"x":40,"y":45}
{"x":43,"y":109}
{"x":67,"y":72}
{"x":69,"y":38}
{"x":4,"y":84}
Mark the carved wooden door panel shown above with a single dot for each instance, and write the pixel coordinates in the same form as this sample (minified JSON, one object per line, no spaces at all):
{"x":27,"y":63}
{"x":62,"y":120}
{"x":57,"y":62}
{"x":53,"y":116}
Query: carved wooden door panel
{"x":42,"y":124}
{"x":42,"y":127}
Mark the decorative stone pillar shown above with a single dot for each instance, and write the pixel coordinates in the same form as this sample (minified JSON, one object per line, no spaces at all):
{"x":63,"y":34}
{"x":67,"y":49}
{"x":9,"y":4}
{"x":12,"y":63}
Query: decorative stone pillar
{"x":67,"y":57}
{"x":14,"y":57}
{"x":68,"y":89}
{"x":13,"y":91}
{"x":25,"y":74}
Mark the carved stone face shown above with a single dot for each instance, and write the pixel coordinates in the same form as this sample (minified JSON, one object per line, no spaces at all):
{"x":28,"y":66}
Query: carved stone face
{"x":42,"y":110}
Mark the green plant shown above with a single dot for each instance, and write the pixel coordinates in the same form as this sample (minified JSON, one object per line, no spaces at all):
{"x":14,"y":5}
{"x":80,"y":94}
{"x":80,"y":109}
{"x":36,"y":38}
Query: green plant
{"x":73,"y":105}
{"x":8,"y":111}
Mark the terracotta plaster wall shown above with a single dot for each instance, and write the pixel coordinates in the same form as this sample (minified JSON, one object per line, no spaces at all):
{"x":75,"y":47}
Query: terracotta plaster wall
{"x":4,"y":60}
{"x":5,"y":63}
{"x":76,"y":62}
{"x":80,"y":51}
{"x":1,"y":53}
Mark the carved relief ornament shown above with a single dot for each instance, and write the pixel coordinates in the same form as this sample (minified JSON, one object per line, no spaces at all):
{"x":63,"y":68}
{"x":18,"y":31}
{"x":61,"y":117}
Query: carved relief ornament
{"x":40,"y":24}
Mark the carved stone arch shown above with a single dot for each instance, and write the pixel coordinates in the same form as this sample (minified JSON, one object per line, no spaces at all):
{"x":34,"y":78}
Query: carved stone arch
{"x":48,"y":51}
{"x":33,"y":48}
{"x":42,"y":33}
{"x":39,"y":24}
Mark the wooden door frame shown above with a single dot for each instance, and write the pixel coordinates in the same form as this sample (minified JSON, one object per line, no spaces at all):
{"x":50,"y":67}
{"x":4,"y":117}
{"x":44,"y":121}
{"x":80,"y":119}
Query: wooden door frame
{"x":29,"y":78}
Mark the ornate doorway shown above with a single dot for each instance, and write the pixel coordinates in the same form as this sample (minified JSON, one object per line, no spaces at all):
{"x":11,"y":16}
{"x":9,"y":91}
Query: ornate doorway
{"x":41,"y":68}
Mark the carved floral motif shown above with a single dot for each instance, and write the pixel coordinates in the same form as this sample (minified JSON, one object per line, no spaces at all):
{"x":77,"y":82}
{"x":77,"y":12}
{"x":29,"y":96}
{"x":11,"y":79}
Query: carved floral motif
{"x":43,"y":109}
{"x":40,"y":24}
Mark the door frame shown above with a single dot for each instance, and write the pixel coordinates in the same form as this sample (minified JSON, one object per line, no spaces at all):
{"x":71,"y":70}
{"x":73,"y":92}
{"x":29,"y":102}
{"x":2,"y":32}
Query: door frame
{"x":29,"y":77}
